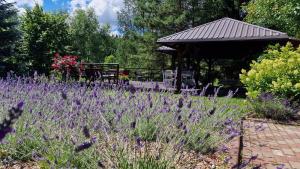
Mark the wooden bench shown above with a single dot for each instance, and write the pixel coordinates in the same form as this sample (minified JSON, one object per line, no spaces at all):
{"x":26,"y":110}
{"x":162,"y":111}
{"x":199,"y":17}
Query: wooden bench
{"x":102,"y":71}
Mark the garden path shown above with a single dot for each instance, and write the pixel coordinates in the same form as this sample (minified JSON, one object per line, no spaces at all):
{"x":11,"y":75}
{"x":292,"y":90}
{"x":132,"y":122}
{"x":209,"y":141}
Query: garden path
{"x":276,"y":145}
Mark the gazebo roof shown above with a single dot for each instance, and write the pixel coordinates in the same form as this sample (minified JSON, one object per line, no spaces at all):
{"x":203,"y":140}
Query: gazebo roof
{"x":165,"y":48}
{"x":225,"y":29}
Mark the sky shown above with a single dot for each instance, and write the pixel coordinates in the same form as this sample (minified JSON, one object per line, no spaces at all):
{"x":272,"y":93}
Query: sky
{"x":106,"y":10}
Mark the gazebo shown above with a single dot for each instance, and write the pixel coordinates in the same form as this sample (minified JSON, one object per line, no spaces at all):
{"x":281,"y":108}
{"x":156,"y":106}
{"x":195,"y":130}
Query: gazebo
{"x":225,"y":38}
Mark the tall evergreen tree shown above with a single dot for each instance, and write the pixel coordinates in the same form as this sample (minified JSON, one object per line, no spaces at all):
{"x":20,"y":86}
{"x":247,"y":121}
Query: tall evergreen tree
{"x":150,"y":19}
{"x":8,"y":30}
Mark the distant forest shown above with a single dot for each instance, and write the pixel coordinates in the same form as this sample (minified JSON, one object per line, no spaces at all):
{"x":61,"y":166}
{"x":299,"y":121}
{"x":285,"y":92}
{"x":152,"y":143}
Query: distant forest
{"x":29,"y":41}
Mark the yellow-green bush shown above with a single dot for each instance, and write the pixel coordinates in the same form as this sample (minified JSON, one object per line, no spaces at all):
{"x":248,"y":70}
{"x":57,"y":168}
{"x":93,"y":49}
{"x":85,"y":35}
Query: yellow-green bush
{"x":277,"y":71}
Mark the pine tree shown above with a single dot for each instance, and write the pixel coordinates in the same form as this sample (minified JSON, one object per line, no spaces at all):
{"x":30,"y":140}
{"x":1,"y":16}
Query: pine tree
{"x":8,"y":29}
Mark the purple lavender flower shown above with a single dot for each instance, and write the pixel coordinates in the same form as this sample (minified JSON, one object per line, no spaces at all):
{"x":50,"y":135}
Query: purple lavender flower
{"x":132,"y":89}
{"x":64,"y":95}
{"x":180,"y":103}
{"x":20,"y":105}
{"x":45,"y":137}
{"x":259,"y":127}
{"x":281,"y":166}
{"x":83,"y":146}
{"x":139,"y":141}
{"x":133,"y":124}
{"x":114,"y":147}
{"x":86,"y":132}
{"x":4,"y":131}
{"x":253,"y":157}
{"x":228,"y":121}
{"x":100,"y":164}
{"x":77,"y":102}
{"x":14,"y":114}
{"x":227,"y":159}
{"x":189,"y":105}
{"x":212,"y":111}
{"x":224,"y":149}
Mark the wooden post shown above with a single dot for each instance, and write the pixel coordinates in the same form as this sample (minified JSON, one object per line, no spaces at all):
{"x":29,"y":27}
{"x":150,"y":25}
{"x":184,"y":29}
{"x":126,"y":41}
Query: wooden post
{"x":209,"y":74}
{"x":179,"y":58}
{"x":197,"y":71}
{"x":118,"y":71}
{"x":173,"y":62}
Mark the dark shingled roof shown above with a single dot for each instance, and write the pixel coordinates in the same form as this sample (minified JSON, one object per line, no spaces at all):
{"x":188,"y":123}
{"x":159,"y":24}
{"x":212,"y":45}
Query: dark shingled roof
{"x":225,"y":29}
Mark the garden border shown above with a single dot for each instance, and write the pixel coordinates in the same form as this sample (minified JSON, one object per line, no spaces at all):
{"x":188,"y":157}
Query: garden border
{"x":240,"y":148}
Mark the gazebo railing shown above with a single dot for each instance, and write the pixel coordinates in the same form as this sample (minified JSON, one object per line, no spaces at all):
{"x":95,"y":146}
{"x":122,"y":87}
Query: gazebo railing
{"x":144,"y":74}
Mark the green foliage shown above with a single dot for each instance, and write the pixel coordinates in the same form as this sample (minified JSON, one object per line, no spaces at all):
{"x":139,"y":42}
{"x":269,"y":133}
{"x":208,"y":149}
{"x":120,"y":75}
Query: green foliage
{"x":91,"y":41}
{"x":276,"y":72}
{"x":147,"y":130}
{"x":43,"y":35}
{"x":147,"y":162}
{"x":276,"y":14}
{"x":201,"y":140}
{"x":273,"y":108}
{"x":151,"y":163}
{"x":143,"y":21}
{"x":8,"y":32}
{"x":110,"y":59}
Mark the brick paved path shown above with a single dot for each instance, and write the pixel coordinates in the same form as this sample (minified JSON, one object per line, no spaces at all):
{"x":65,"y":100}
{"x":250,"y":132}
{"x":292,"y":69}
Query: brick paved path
{"x":276,"y":145}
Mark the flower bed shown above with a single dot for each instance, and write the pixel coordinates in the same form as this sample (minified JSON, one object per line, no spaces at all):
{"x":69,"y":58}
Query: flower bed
{"x":72,"y":125}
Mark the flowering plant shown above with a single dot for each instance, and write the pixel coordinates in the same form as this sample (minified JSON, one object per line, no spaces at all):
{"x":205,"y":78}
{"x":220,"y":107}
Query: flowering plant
{"x":64,"y":63}
{"x":66,"y":66}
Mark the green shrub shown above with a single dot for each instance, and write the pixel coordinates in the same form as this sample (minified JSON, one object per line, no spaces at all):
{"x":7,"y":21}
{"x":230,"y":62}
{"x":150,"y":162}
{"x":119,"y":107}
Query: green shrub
{"x":277,"y":71}
{"x":147,"y":130}
{"x":269,"y":106}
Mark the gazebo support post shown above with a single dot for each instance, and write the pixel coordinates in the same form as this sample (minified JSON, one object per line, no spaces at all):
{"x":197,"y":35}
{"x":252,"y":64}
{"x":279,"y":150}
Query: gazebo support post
{"x":209,"y":78}
{"x":196,"y":67}
{"x":179,"y":70}
{"x":173,"y":60}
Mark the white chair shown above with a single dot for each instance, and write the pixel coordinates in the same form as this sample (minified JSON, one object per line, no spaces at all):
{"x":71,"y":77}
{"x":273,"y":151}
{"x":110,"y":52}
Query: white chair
{"x":188,"y":79}
{"x":169,"y":78}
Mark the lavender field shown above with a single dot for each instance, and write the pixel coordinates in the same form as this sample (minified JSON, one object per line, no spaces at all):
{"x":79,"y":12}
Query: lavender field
{"x":71,"y":125}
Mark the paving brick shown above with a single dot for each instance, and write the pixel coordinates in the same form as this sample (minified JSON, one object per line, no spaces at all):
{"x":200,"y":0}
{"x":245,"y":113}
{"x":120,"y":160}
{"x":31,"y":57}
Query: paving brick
{"x":281,"y":142}
{"x":289,"y":141}
{"x":288,"y":151}
{"x":298,"y":155}
{"x":297,"y":141}
{"x":296,"y":150}
{"x":281,"y":159}
{"x":286,"y":165}
{"x":268,"y":154}
{"x":277,"y":152}
{"x":295,"y":165}
{"x":277,"y":144}
{"x":292,"y":158}
{"x":270,"y":166}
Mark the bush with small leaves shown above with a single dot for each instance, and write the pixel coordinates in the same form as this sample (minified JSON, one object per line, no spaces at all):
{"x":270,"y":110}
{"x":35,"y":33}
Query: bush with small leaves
{"x":277,"y":72}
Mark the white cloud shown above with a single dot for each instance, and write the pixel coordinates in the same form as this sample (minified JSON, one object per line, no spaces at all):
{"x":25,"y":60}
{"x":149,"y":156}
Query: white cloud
{"x":106,"y":10}
{"x":22,"y":4}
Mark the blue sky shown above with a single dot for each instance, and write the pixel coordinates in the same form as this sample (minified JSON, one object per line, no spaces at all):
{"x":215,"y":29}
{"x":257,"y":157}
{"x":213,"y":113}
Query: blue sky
{"x":51,"y":5}
{"x":106,"y":10}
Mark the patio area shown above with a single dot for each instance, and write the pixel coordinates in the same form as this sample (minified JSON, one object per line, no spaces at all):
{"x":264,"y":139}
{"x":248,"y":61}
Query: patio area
{"x":275,"y":145}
